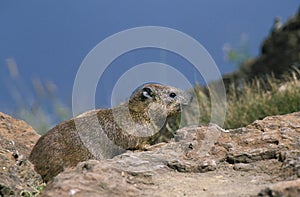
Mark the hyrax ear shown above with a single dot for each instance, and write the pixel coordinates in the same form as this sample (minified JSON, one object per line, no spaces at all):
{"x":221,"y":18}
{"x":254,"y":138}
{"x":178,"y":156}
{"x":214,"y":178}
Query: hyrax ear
{"x":147,"y":93}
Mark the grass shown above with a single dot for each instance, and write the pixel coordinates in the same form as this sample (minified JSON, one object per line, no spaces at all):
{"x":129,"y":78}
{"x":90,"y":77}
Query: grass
{"x":36,"y":103}
{"x":44,"y":110}
{"x":257,"y":100}
{"x":253,"y":101}
{"x":36,"y":191}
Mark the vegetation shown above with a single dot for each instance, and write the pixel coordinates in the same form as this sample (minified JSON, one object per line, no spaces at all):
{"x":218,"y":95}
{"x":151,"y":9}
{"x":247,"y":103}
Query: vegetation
{"x":36,"y":103}
{"x":36,"y":191}
{"x":237,"y":54}
{"x":257,"y":100}
{"x":253,"y":101}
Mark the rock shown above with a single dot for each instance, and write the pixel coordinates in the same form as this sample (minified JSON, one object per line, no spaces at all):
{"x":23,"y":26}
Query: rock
{"x":16,"y":135}
{"x":284,"y":188}
{"x":199,"y":161}
{"x":280,"y":53}
{"x":17,"y":174}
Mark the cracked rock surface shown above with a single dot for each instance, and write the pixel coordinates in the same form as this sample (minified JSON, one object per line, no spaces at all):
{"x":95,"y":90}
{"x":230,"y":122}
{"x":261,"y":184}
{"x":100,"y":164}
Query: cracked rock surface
{"x":17,"y":139}
{"x":262,"y":159}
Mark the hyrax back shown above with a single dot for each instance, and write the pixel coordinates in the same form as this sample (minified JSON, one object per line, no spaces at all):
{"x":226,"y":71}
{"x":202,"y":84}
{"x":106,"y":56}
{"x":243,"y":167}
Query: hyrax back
{"x":104,"y":133}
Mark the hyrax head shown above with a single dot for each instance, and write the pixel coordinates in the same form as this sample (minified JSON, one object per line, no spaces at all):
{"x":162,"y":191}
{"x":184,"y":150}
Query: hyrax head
{"x":166,"y":99}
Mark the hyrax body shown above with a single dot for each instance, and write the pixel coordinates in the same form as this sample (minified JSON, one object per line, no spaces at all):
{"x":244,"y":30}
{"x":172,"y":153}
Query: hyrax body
{"x":104,"y":133}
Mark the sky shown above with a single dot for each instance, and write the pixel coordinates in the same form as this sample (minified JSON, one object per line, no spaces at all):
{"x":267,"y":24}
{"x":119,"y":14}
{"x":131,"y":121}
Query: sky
{"x":48,"y":40}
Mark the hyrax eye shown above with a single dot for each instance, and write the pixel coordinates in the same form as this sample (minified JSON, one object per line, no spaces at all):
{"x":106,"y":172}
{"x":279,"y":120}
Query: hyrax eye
{"x":172,"y":95}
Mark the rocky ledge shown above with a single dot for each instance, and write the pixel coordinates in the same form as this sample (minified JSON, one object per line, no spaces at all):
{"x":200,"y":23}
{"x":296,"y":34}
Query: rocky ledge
{"x":262,"y":159}
{"x":17,"y":176}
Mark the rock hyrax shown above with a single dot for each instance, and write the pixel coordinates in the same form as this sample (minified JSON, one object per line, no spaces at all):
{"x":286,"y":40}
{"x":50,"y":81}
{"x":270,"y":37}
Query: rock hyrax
{"x":104,"y":133}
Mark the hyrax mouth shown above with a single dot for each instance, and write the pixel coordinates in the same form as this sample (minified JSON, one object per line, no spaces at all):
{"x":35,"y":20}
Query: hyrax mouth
{"x":177,"y":108}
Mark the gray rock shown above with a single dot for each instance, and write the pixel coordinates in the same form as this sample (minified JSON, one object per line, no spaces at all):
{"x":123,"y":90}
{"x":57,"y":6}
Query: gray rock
{"x":199,"y":161}
{"x":17,"y":175}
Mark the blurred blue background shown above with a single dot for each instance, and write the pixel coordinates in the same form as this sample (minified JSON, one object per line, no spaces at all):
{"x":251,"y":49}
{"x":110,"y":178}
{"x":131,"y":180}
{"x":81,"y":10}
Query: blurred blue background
{"x":42,"y":43}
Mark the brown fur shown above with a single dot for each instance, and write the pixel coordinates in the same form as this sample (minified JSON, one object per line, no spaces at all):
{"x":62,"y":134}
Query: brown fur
{"x":81,"y":138}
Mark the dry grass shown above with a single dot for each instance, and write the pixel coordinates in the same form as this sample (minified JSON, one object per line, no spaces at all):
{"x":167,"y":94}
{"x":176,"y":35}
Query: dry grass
{"x":256,"y":100}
